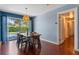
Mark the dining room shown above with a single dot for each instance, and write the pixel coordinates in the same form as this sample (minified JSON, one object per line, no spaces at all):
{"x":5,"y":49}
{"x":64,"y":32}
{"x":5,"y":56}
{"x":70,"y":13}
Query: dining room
{"x":32,"y":29}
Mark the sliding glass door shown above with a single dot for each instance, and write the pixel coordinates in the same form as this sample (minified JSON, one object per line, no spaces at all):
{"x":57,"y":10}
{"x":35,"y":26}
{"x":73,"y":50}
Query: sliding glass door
{"x":13,"y":26}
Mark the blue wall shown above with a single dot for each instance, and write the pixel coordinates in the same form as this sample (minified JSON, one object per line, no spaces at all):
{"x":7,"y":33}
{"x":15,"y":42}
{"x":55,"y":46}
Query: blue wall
{"x":3,"y":24}
{"x":78,"y":28}
{"x":0,"y":28}
{"x":45,"y":23}
{"x":10,"y":14}
{"x":4,"y":28}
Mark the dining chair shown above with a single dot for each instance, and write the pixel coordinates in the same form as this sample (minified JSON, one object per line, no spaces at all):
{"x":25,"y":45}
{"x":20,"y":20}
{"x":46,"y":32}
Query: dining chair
{"x":18,"y":39}
{"x":21,"y":40}
{"x":35,"y":39}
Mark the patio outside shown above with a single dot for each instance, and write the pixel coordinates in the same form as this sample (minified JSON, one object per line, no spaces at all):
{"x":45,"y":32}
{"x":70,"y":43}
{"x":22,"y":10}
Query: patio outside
{"x":15,"y":25}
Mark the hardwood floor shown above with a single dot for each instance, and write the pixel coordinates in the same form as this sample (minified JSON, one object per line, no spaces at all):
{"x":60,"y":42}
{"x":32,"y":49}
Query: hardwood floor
{"x":68,"y":46}
{"x":46,"y":48}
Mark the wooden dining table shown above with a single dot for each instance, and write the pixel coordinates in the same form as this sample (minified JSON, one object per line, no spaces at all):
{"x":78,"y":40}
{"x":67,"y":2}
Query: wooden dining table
{"x":25,"y":34}
{"x":35,"y":37}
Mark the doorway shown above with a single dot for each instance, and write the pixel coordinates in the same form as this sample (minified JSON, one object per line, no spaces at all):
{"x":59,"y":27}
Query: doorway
{"x":67,"y":31}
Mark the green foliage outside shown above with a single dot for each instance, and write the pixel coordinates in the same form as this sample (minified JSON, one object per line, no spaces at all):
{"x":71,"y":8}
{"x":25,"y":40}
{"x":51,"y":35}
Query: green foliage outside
{"x":18,"y":28}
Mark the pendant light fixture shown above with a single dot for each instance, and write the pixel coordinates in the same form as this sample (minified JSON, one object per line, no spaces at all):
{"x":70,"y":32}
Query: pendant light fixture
{"x":26,"y":18}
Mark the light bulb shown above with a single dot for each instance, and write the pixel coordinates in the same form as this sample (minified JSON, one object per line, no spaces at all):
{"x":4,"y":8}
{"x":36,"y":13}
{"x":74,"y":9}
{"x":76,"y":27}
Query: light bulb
{"x":71,"y":15}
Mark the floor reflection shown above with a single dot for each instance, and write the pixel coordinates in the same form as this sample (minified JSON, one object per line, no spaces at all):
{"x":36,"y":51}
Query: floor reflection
{"x":30,"y":50}
{"x":4,"y":48}
{"x":44,"y":48}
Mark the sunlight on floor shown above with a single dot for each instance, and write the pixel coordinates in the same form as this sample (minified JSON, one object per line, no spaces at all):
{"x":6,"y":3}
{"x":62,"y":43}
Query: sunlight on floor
{"x":12,"y":48}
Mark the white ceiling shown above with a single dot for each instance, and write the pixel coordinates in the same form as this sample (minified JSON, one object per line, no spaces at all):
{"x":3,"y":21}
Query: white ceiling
{"x":33,"y":9}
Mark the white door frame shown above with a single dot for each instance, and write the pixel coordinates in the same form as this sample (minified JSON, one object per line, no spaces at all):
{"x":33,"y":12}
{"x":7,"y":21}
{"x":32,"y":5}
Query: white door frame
{"x":75,"y":25}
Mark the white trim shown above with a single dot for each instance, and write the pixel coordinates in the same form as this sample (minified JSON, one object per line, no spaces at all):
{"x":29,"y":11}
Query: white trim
{"x":61,"y":42}
{"x":75,"y":29}
{"x":77,"y":49}
{"x":58,"y":28}
{"x":49,"y":41}
{"x":65,"y":11}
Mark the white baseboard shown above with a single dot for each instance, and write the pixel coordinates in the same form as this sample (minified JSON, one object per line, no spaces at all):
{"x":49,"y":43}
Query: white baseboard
{"x":50,"y":41}
{"x":61,"y":41}
{"x":56,"y":43}
{"x":77,"y":49}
